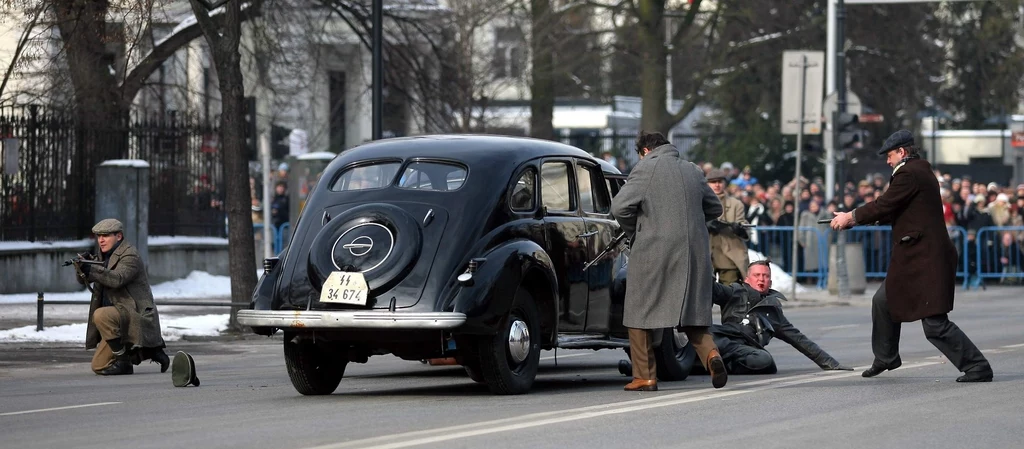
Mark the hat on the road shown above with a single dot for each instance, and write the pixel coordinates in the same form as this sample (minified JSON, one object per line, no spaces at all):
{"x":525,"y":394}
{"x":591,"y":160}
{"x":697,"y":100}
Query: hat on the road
{"x":107,"y":226}
{"x":715,"y":174}
{"x":183,"y":370}
{"x":898,"y":139}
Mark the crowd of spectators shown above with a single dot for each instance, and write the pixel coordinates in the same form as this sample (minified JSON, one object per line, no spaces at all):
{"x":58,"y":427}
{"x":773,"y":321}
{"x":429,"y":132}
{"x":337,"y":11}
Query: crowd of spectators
{"x":968,"y":206}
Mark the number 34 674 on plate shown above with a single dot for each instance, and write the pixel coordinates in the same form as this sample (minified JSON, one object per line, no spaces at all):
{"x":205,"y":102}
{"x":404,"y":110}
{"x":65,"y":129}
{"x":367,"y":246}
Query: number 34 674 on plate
{"x":345,"y":288}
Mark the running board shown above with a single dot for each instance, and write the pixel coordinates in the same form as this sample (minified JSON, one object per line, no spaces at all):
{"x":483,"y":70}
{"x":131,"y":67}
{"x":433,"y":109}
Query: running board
{"x":591,"y":342}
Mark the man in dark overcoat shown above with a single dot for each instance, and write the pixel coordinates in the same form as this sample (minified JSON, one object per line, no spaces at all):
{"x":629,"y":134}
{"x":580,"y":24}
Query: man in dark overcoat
{"x":664,"y":206}
{"x":124,"y":326}
{"x":922,"y":269}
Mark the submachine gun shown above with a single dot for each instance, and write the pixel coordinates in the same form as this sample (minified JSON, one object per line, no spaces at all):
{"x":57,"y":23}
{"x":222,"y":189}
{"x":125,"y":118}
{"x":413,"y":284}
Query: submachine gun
{"x":614,"y":243}
{"x":82,"y":258}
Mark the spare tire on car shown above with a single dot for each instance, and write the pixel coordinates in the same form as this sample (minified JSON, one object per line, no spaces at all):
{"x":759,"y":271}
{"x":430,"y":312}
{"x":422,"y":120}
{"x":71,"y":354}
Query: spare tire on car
{"x":382,"y":241}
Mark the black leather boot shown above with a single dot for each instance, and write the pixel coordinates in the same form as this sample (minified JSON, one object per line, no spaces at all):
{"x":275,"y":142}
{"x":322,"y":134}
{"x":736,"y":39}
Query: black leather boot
{"x":159,"y":356}
{"x":122,"y":365}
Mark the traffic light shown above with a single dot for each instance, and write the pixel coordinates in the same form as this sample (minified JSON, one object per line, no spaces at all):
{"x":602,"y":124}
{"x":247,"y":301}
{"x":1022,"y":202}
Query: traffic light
{"x":249,"y":116}
{"x":849,"y":136}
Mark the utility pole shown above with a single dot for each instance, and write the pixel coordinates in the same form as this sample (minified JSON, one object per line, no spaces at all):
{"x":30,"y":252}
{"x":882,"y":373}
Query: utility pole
{"x":378,"y":69}
{"x":842,"y":277}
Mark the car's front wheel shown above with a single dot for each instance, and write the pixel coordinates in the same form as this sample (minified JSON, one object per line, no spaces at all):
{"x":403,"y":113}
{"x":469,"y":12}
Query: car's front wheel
{"x":509,"y":360}
{"x":315,"y":369}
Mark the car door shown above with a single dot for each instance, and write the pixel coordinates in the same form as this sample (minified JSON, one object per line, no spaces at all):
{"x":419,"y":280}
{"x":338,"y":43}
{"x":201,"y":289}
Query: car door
{"x":601,"y":229}
{"x":565,"y":235}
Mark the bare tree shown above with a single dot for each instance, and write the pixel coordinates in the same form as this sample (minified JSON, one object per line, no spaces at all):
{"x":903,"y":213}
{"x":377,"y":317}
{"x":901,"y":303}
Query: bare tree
{"x":224,"y":38}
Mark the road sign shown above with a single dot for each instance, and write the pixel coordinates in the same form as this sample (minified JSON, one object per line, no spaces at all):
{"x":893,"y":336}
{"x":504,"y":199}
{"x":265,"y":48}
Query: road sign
{"x":814,"y":80}
{"x":1017,"y":139}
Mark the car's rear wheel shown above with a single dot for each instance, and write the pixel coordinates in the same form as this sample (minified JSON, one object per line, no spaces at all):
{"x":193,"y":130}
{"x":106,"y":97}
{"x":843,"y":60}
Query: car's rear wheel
{"x":674,"y":357}
{"x":509,"y":360}
{"x":315,"y":369}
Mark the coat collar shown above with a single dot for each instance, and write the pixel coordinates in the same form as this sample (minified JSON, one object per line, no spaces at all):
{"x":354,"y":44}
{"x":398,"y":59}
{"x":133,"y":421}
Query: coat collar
{"x":665,"y":150}
{"x":117,"y":253}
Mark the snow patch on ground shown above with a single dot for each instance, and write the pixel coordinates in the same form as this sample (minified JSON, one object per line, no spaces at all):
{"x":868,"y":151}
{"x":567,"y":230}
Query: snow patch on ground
{"x":174,"y":328}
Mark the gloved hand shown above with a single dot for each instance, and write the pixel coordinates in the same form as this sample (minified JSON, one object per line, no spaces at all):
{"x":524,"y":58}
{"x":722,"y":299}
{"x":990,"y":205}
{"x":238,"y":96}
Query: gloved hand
{"x":717,"y":226}
{"x":83,"y":268}
{"x":740,"y":231}
{"x":836,"y":366}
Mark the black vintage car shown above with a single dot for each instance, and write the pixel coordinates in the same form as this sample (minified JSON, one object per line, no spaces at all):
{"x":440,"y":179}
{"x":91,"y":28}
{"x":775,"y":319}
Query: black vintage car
{"x":461,"y":246}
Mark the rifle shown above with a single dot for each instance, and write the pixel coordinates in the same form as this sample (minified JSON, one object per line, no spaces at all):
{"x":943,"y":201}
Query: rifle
{"x":614,"y":243}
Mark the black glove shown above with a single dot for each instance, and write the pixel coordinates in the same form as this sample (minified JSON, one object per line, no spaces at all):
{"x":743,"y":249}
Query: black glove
{"x":85,"y":268}
{"x":740,"y":231}
{"x":716,"y":226}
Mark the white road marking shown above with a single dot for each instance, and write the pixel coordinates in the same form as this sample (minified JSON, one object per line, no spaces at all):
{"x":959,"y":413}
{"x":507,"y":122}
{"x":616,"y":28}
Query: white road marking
{"x":1021,"y":345}
{"x":421,"y":437}
{"x":841,"y":326}
{"x":25,"y":412}
{"x":567,"y":356}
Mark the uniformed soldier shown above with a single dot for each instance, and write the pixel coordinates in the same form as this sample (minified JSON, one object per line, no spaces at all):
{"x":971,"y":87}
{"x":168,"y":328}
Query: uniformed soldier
{"x":728,"y":248}
{"x":124,"y":326}
{"x":751,"y":317}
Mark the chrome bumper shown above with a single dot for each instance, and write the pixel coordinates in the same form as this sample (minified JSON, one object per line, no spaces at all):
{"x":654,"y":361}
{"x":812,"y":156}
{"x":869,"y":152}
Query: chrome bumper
{"x":350,"y":319}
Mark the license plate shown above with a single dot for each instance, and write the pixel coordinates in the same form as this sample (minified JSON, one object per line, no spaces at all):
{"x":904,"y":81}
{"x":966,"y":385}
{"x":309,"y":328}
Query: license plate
{"x":345,"y":288}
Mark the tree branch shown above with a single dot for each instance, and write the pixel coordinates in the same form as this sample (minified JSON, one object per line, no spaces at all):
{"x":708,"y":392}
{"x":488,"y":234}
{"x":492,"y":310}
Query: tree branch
{"x":22,"y":41}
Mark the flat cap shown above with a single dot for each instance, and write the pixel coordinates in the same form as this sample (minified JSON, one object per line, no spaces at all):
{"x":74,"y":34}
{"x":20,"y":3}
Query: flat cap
{"x":898,"y":139}
{"x":107,"y":226}
{"x":716,"y":173}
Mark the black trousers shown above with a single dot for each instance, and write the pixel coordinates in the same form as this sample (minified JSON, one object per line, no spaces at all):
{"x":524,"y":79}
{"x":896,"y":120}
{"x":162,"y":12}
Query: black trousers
{"x":944,"y":334}
{"x":741,"y":358}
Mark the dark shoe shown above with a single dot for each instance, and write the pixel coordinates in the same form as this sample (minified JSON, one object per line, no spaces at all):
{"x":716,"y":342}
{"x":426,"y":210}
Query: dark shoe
{"x":877,"y":369}
{"x":159,"y":356}
{"x":976,"y":376}
{"x":642,"y":385}
{"x":625,"y":368}
{"x":119,"y":367}
{"x":716,"y":366}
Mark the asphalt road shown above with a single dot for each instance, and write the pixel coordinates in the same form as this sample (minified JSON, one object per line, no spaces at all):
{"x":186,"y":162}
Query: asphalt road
{"x":50,"y":399}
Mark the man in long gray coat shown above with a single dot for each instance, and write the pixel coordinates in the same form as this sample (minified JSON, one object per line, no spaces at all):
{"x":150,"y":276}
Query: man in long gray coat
{"x":124,"y":325}
{"x":664,"y":206}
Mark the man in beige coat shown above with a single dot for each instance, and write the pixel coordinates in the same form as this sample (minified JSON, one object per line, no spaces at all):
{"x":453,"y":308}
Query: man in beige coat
{"x":728,"y":251}
{"x":124,"y":326}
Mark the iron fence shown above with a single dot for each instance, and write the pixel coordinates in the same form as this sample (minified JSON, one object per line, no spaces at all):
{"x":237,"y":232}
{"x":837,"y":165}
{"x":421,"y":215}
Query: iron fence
{"x":50,"y":195}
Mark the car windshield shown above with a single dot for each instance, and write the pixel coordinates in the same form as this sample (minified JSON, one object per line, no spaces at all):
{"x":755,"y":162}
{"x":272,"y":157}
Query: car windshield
{"x":438,"y":176}
{"x":374,"y":176}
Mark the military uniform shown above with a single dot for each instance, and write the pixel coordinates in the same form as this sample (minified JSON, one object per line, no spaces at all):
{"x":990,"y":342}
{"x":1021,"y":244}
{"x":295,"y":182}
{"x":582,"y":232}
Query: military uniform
{"x":750,"y":320}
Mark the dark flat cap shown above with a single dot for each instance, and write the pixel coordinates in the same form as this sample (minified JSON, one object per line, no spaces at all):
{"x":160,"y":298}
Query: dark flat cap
{"x":107,"y":226}
{"x":716,"y":173}
{"x":898,"y":139}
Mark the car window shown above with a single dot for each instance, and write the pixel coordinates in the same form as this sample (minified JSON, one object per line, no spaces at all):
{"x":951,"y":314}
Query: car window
{"x":438,"y":176}
{"x":593,"y":195}
{"x":524,"y":192}
{"x":554,"y":190}
{"x":374,"y":176}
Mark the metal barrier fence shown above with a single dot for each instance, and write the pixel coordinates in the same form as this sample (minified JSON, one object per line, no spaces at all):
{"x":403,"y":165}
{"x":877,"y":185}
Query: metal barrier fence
{"x":280,"y":236}
{"x":997,"y":255}
{"x":776,"y":242}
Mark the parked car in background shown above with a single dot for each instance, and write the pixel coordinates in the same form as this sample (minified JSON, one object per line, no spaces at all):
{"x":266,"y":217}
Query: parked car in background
{"x":461,"y":246}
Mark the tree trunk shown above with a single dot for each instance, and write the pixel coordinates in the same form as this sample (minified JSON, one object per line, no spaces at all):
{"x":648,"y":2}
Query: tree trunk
{"x":542,"y":90}
{"x":654,"y":115}
{"x":224,"y":40}
{"x":100,"y":119}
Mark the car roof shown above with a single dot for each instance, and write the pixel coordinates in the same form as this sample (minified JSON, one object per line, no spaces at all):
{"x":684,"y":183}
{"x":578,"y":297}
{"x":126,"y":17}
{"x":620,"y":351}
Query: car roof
{"x":469,"y":148}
